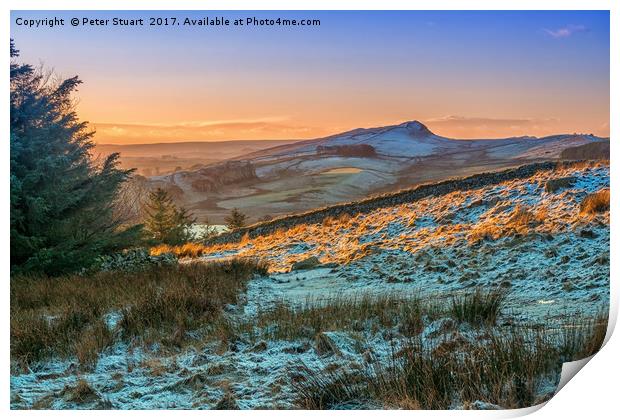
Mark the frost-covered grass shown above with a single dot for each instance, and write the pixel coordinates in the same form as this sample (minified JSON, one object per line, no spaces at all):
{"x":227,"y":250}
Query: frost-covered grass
{"x":351,"y":313}
{"x":516,"y":207}
{"x":395,"y":351}
{"x":66,"y":316}
{"x":505,"y":369}
{"x":407,"y":313}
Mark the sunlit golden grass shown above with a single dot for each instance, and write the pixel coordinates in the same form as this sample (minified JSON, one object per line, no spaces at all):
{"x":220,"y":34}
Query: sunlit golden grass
{"x":521,"y":218}
{"x":518,"y":221}
{"x":245,"y":239}
{"x":344,"y":218}
{"x":188,"y":250}
{"x":541,"y":214}
{"x":328,"y":221}
{"x":597,"y":202}
{"x":338,"y":239}
{"x":297,"y":230}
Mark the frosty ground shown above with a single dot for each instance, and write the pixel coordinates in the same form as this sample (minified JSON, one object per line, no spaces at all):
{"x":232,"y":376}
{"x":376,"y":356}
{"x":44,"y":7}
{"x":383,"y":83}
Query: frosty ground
{"x":524,"y":237}
{"x":555,"y":262}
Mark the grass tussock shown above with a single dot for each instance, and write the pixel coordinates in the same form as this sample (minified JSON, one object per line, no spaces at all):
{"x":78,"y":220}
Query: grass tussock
{"x":64,"y":316}
{"x":597,"y":202}
{"x":519,"y":221}
{"x":504,"y":369}
{"x":522,"y":218}
{"x":329,"y":390}
{"x":93,"y":341}
{"x":582,"y":164}
{"x":81,"y":392}
{"x":593,"y":150}
{"x":556,"y":184}
{"x":342,"y":221}
{"x":478,"y":308}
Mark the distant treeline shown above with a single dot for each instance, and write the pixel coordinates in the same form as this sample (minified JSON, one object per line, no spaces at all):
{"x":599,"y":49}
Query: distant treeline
{"x":348,"y":150}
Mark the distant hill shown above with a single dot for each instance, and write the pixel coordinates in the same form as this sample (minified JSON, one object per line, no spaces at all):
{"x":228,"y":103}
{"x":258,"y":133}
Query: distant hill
{"x":304,"y":175}
{"x":412,"y":139}
{"x":163,"y":158}
{"x":595,"y":150}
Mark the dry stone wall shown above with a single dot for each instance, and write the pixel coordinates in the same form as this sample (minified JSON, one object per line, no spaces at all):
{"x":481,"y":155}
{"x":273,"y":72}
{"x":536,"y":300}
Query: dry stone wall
{"x":387,"y":200}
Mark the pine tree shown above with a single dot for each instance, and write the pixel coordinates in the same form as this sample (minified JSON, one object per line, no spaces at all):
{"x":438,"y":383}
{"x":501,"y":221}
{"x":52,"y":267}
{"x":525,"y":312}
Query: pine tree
{"x":61,"y":200}
{"x":181,"y":232}
{"x":165,"y":223}
{"x":236,"y":219}
{"x":159,"y":215}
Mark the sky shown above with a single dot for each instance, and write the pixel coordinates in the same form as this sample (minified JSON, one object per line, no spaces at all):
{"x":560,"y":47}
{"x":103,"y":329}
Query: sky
{"x":465,"y":74}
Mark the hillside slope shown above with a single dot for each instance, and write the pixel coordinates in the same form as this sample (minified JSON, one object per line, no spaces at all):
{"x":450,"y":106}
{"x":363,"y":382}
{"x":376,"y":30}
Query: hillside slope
{"x":527,"y":234}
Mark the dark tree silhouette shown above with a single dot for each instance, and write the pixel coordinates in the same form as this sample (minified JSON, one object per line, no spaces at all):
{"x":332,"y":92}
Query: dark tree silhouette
{"x":165,"y":223}
{"x":61,"y":200}
{"x":236,"y":219}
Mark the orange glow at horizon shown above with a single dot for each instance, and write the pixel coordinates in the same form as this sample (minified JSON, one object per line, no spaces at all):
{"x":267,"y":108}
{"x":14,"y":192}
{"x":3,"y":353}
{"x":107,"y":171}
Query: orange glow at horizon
{"x":169,"y":116}
{"x":231,"y":108}
{"x":465,"y":74}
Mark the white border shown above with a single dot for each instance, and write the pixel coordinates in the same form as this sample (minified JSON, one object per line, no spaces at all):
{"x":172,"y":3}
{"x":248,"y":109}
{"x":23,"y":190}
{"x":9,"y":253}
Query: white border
{"x":591,"y":395}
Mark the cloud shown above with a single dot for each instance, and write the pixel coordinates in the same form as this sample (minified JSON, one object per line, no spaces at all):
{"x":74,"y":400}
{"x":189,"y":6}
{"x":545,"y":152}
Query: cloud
{"x":215,"y":123}
{"x":271,"y":128}
{"x":566,"y":31}
{"x":484,"y":127}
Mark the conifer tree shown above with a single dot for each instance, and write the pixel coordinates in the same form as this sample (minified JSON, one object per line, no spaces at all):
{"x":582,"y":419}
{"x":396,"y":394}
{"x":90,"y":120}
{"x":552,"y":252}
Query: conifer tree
{"x":236,"y":219}
{"x":61,"y":199}
{"x":165,"y":223}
